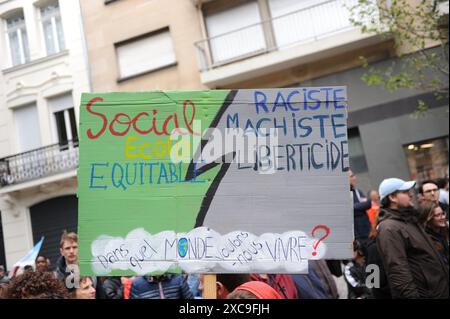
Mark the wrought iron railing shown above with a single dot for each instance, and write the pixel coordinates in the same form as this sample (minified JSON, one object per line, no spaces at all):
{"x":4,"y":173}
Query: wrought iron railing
{"x":38,"y":163}
{"x":321,"y":19}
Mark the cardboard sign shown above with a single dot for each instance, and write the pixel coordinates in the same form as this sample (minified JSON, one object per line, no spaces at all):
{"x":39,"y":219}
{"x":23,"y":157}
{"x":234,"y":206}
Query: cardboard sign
{"x":217,"y":181}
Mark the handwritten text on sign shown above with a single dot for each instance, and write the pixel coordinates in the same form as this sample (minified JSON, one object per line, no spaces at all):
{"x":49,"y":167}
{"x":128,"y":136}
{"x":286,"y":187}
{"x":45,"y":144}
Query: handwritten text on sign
{"x":203,"y":249}
{"x":171,"y":179}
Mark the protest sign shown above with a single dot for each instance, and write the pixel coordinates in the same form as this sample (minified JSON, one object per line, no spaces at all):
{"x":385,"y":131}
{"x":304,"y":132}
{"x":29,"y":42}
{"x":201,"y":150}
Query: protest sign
{"x":217,"y":181}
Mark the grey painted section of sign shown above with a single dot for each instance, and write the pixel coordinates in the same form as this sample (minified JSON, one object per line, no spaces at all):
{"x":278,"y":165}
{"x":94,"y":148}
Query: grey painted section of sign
{"x":285,"y":201}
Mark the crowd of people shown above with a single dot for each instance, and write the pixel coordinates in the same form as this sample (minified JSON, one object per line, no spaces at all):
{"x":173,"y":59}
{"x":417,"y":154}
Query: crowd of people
{"x":406,"y":239}
{"x":404,"y":234}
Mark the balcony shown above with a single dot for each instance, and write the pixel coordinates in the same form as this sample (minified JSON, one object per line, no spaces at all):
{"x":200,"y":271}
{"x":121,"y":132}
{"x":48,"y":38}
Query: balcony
{"x":314,"y":32}
{"x":38,"y":163}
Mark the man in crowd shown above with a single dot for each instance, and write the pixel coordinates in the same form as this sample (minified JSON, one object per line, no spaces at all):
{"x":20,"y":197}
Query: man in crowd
{"x":69,"y":255}
{"x":413,"y":267}
{"x":360,"y":205}
{"x":430,"y":191}
{"x":42,"y":264}
{"x":67,"y":264}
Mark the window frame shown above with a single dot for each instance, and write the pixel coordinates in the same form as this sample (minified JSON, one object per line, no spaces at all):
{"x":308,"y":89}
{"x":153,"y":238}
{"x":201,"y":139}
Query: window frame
{"x":23,"y":52}
{"x":68,"y":126}
{"x":52,"y":17}
{"x":121,"y":78}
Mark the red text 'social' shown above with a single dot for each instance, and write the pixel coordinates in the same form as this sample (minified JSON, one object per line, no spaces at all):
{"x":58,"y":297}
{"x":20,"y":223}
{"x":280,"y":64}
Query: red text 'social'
{"x":142,"y":123}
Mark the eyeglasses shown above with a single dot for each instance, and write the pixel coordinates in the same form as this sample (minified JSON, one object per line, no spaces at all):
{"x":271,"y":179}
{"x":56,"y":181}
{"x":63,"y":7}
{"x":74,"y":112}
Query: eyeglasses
{"x":431,"y":190}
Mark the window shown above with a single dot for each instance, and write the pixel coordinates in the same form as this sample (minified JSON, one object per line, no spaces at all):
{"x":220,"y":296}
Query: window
{"x":18,"y":40}
{"x":427,"y":159}
{"x":65,"y":125}
{"x":145,"y":53}
{"x":52,"y":27}
{"x":357,"y":159}
{"x":27,"y":127}
{"x":235,"y":32}
{"x":358,"y":162}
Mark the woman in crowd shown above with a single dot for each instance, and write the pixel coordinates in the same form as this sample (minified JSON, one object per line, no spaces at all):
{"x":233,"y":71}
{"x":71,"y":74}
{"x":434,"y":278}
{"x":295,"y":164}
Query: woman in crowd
{"x":85,"y":290}
{"x":433,"y":219}
{"x":37,"y":285}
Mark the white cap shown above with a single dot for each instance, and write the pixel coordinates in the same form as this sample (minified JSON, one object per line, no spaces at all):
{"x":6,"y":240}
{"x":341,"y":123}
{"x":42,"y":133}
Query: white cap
{"x":391,"y":185}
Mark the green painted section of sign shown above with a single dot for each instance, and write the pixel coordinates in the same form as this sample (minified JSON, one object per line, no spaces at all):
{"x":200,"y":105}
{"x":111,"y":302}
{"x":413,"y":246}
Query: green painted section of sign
{"x":126,"y":179}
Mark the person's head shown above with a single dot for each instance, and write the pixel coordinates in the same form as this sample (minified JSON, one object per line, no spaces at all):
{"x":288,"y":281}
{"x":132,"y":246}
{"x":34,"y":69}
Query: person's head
{"x":36,"y":284}
{"x":396,"y":193}
{"x":351,"y":178}
{"x":69,"y":247}
{"x":41,"y":263}
{"x":430,"y":191}
{"x":2,"y":271}
{"x":254,"y":290}
{"x":374,"y":196}
{"x":27,"y":268}
{"x":432,"y":215}
{"x":225,"y":283}
{"x":86,"y":289}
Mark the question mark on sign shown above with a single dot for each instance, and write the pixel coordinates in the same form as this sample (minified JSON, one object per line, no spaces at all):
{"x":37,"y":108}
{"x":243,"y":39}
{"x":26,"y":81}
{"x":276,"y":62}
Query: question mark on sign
{"x":327,"y":232}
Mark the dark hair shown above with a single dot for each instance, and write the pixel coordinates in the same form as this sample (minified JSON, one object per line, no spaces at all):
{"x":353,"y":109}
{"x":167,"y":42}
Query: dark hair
{"x":426,"y":214}
{"x":73,"y":291}
{"x":441,"y":182}
{"x":360,"y":248}
{"x":232,"y":281}
{"x":386,"y":202}
{"x":427,"y":182}
{"x":37,"y":285}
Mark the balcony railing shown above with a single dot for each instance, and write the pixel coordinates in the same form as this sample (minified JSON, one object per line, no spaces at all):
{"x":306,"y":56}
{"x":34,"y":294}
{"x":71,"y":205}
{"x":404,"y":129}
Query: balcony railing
{"x":309,"y":24}
{"x":38,"y":163}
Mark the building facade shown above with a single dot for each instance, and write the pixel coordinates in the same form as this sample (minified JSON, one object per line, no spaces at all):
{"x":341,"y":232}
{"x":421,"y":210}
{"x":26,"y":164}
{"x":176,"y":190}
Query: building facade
{"x":142,"y":45}
{"x":213,"y":44}
{"x":44,"y":70}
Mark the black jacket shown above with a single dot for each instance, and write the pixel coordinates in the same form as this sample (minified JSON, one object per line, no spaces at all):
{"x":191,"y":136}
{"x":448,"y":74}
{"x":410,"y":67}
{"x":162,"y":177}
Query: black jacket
{"x":374,"y":258}
{"x":113,"y":288}
{"x":161,"y":287}
{"x":361,"y":220}
{"x":440,"y":243}
{"x":61,"y":272}
{"x":355,"y":277}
